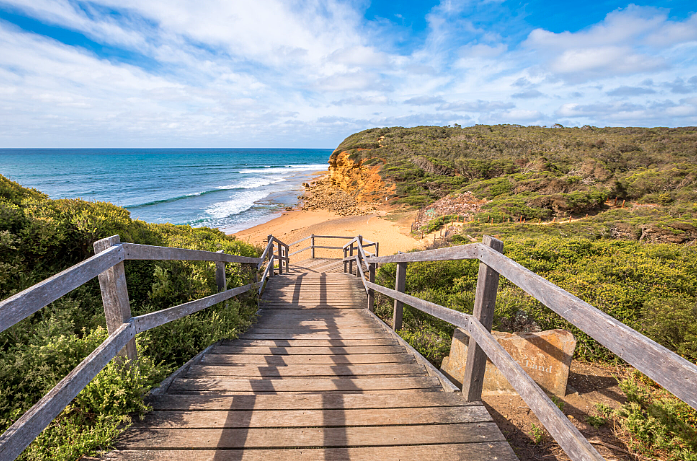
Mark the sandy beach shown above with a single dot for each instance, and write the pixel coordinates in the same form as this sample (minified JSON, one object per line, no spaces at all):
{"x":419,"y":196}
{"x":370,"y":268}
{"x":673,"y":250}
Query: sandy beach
{"x":392,"y":235}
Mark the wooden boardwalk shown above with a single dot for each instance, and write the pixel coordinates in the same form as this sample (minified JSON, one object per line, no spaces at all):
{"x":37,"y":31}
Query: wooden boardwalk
{"x":318,"y":377}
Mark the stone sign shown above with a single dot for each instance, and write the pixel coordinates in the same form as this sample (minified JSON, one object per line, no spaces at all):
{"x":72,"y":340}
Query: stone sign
{"x":545,"y":356}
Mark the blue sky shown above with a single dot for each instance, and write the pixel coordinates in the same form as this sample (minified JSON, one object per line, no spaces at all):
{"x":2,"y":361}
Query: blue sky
{"x":277,"y":73}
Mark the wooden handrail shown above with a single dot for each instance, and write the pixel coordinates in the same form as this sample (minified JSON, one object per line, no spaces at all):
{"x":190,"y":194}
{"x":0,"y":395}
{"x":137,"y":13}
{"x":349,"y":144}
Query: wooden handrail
{"x":564,"y":432}
{"x":668,"y":369}
{"x":18,"y":437}
{"x":23,"y":304}
{"x":108,"y":265}
{"x":136,"y":251}
{"x":155,"y":319}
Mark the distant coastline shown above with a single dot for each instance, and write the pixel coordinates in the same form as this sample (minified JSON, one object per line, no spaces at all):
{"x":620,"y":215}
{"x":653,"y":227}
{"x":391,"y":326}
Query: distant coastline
{"x":227,"y":189}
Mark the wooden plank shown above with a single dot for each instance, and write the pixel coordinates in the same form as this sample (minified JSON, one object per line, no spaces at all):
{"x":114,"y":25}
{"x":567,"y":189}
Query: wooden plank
{"x":26,"y":302}
{"x":221,"y":384}
{"x":312,"y":437}
{"x":341,"y":336}
{"x":220,"y":279}
{"x":347,"y":329}
{"x":665,"y":367}
{"x":299,"y":350}
{"x":471,"y":251}
{"x":112,"y":284}
{"x":268,"y":248}
{"x":307,"y":401}
{"x":318,"y":418}
{"x":484,"y":304}
{"x":271,"y":370}
{"x":500,"y":451}
{"x":554,"y":421}
{"x":299,"y":241}
{"x":155,"y":319}
{"x":301,"y":250}
{"x":448,"y":386}
{"x":28,"y":426}
{"x":371,"y":293}
{"x":268,"y":273}
{"x":135,"y":251}
{"x":400,"y":283}
{"x":283,"y":322}
{"x":383,"y":341}
{"x":354,"y":359}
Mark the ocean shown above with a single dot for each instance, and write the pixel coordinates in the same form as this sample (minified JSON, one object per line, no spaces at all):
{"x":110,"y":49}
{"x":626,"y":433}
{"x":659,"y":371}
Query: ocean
{"x":228,"y":189}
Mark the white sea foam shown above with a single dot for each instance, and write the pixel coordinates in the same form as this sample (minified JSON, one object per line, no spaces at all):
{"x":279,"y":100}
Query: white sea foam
{"x":239,"y":202}
{"x":253,"y":183}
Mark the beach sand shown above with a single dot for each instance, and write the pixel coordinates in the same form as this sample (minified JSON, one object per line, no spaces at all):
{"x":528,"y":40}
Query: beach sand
{"x":392,"y":235}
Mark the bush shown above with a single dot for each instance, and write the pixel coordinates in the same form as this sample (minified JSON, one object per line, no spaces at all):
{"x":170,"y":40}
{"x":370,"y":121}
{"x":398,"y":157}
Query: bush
{"x":40,"y":237}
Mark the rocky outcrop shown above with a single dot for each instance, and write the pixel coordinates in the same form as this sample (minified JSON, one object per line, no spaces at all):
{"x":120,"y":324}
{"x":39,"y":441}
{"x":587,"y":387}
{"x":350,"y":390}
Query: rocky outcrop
{"x":362,"y":182}
{"x":669,"y":233}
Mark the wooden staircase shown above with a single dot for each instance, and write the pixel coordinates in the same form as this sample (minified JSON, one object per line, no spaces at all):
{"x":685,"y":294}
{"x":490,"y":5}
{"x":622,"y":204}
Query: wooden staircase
{"x":318,"y":377}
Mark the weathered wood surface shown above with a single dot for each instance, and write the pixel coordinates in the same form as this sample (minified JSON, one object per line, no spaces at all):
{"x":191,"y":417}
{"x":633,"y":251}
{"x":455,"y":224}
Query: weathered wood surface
{"x":23,"y":304}
{"x":135,"y":251}
{"x":30,"y":425}
{"x":333,"y":380}
{"x":665,"y":367}
{"x":484,"y":304}
{"x":155,"y":319}
{"x":471,"y":251}
{"x":570,"y":439}
{"x":399,"y":284}
{"x":455,"y":452}
{"x":117,"y":307}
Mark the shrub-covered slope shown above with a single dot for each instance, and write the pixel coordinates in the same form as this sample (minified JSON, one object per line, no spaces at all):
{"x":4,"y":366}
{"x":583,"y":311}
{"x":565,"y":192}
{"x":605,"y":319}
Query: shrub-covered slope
{"x":40,"y":237}
{"x":540,"y":174}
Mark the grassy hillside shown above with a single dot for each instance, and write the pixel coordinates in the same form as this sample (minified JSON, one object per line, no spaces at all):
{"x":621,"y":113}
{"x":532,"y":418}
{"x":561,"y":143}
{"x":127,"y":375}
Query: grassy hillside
{"x":628,"y":249}
{"x":40,"y":237}
{"x":544,"y":174}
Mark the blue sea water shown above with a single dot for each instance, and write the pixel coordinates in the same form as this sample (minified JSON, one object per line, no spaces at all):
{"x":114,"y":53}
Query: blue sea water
{"x":230,"y":189}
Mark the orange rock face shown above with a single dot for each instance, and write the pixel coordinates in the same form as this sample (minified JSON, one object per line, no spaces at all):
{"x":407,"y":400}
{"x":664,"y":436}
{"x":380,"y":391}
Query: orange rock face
{"x":545,"y":356}
{"x":362,"y":182}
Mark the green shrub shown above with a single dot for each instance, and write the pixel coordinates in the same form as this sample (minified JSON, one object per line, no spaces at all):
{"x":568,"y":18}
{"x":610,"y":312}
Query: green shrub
{"x":40,"y":237}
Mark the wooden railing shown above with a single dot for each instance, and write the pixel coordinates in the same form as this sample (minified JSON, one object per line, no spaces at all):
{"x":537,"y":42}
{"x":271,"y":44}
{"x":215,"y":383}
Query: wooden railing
{"x":314,"y":237}
{"x":107,"y":264}
{"x":668,"y":369}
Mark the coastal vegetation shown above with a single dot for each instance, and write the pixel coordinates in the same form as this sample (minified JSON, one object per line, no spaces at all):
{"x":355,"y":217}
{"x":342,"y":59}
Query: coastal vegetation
{"x":40,"y":237}
{"x":609,"y":214}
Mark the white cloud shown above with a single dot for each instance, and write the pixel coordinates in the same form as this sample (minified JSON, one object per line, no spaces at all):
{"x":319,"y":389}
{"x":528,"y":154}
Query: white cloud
{"x":272,"y":72}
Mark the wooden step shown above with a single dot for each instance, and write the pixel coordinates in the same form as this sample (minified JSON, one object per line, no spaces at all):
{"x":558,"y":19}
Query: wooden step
{"x":312,"y":418}
{"x":499,"y":451}
{"x":307,"y":401}
{"x":285,"y":370}
{"x":304,"y":343}
{"x":354,"y":359}
{"x":224,"y":384}
{"x":313,"y":350}
{"x":310,"y":437}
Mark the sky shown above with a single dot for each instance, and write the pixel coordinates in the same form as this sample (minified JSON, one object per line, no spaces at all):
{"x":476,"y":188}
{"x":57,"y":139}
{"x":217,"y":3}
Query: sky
{"x":282,"y":73}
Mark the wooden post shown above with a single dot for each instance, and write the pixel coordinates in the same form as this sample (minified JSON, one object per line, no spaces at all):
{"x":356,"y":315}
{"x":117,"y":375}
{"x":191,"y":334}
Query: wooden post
{"x":358,"y":253}
{"x":377,"y":247}
{"x":112,"y":283}
{"x":280,"y":258}
{"x":371,"y":293}
{"x":399,"y":284}
{"x":351,"y":260}
{"x":312,"y":245}
{"x":484,"y":304}
{"x":345,"y":252}
{"x":220,"y":278}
